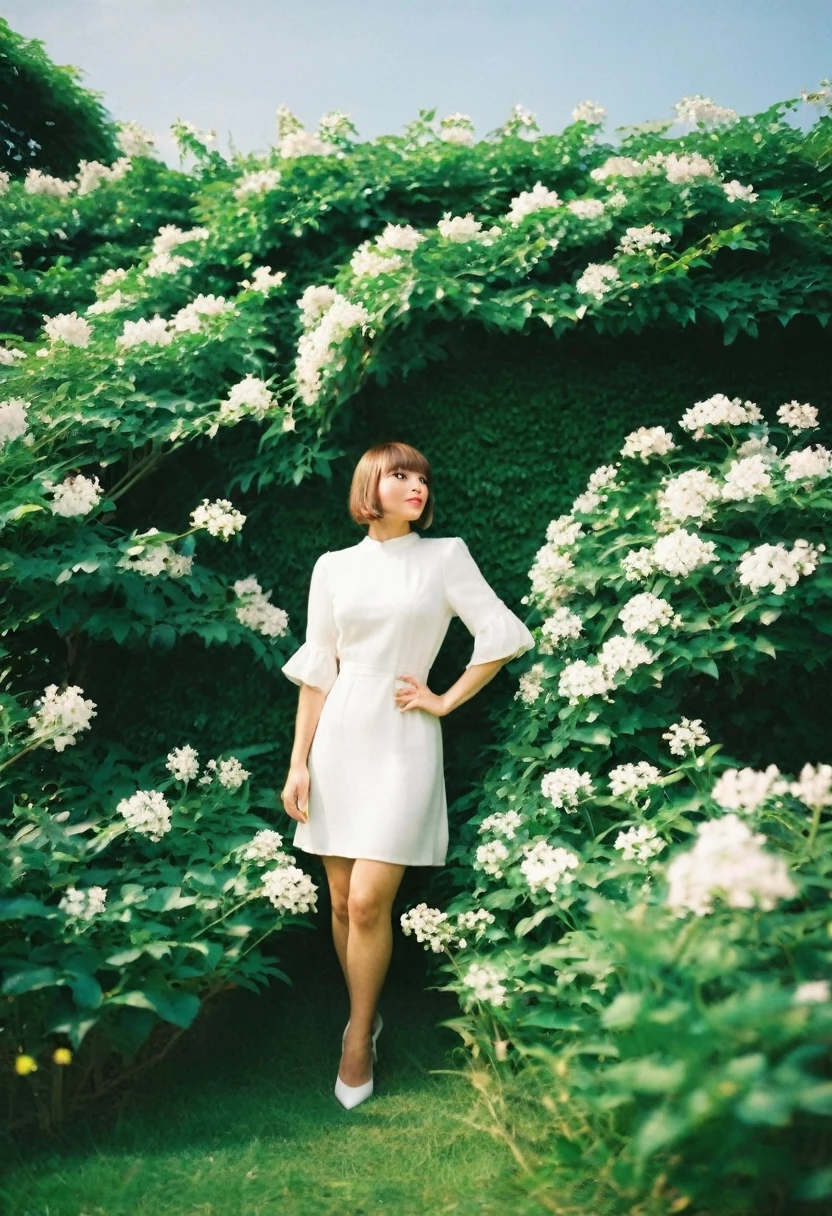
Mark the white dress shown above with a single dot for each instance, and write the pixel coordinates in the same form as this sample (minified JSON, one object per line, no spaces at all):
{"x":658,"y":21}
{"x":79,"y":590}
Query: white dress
{"x":378,"y":610}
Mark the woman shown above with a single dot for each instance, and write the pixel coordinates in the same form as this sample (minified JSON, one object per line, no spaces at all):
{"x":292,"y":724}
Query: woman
{"x":369,"y":793}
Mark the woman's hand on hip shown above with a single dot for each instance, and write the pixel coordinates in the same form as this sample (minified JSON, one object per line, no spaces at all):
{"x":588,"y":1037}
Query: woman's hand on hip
{"x":417,"y":695}
{"x":295,"y":793}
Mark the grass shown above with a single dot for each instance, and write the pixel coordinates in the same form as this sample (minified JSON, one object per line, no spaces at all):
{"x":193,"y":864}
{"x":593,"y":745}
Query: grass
{"x":241,"y":1120}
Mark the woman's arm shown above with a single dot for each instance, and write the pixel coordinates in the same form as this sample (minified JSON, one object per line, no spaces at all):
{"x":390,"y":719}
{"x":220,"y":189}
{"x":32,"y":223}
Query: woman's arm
{"x":469,"y":684}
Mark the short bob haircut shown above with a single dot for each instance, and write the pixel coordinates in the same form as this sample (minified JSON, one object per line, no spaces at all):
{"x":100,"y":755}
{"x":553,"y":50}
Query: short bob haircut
{"x":377,"y":462}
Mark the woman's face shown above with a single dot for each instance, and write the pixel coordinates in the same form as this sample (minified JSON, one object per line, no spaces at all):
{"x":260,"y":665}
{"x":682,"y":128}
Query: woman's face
{"x":403,"y":494}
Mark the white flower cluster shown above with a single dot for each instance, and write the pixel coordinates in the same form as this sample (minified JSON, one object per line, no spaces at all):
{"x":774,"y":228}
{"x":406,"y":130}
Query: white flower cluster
{"x":629,"y":779}
{"x":182,"y":127}
{"x":164,"y":261}
{"x":255,"y":611}
{"x":812,"y":992}
{"x":368,"y":263}
{"x":680,"y":170}
{"x":435,"y":929}
{"x":250,"y":398}
{"x":565,"y":787}
{"x":589,"y":112}
{"x":304,"y":143}
{"x":69,"y":328}
{"x":144,"y":332}
{"x":187,"y":320}
{"x":260,"y":181}
{"x":621,"y":166}
{"x":814,"y":786}
{"x":678,"y":554}
{"x":85,"y":903}
{"x":562,"y":626}
{"x":719,"y":410}
{"x":485,"y":982}
{"x":798,"y":416}
{"x":146,"y":812}
{"x":429,"y":926}
{"x":75,"y":495}
{"x":736,"y":191}
{"x":37,"y":182}
{"x":777,"y":567}
{"x":459,"y":228}
{"x":550,"y":575}
{"x":134,"y":139}
{"x":263,"y":279}
{"x":91,"y":173}
{"x":9,"y":355}
{"x":338,"y":318}
{"x":642,"y":240}
{"x":546,"y":867}
{"x":230,"y":773}
{"x":597,"y":279}
{"x":219,"y":518}
{"x":403,"y":237}
{"x":475,"y":921}
{"x":586,"y":208}
{"x":581,"y":679}
{"x":648,"y":441}
{"x":727,"y":860}
{"x":502,"y":823}
{"x":183,"y":762}
{"x":491,"y":857}
{"x":155,"y":558}
{"x":5,"y":181}
{"x":639,"y":844}
{"x":14,"y":421}
{"x":745,"y":789}
{"x":111,"y":303}
{"x":314,"y":302}
{"x":603,"y":478}
{"x":60,"y":716}
{"x":747,"y":478}
{"x":290,"y":890}
{"x":689,"y":495}
{"x":686,"y":736}
{"x":539,"y":198}
{"x":621,"y":655}
{"x":336,"y":125}
{"x":647,"y":613}
{"x":531,"y":685}
{"x":266,"y":846}
{"x":699,"y":109}
{"x":457,"y":129}
{"x":564,"y":531}
{"x":808,"y":463}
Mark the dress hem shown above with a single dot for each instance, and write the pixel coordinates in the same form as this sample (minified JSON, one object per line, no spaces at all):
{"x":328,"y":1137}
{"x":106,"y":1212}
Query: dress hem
{"x":393,"y":861}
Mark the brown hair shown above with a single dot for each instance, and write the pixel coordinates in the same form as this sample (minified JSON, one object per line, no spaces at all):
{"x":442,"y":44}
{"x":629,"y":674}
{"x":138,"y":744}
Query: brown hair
{"x":377,"y":462}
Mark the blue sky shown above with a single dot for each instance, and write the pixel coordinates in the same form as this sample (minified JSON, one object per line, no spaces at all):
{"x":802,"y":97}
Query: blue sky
{"x":229,"y":65}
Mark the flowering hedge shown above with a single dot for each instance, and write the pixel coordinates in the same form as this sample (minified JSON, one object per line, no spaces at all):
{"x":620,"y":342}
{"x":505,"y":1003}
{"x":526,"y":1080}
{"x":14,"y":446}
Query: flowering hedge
{"x":263,"y":295}
{"x":641,"y":944}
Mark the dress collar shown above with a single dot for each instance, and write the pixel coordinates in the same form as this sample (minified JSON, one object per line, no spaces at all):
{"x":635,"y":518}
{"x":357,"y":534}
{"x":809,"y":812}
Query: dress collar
{"x":396,"y":542}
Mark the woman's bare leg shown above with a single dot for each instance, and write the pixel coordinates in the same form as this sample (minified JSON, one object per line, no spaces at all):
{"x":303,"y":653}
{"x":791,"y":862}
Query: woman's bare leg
{"x":338,"y":870}
{"x":373,"y":887}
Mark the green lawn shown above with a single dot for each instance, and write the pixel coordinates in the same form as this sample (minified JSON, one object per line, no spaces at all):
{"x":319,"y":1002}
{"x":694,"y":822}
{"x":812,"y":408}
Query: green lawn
{"x":241,"y":1120}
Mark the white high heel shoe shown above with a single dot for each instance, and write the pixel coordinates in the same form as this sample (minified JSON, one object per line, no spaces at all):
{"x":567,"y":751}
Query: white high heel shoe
{"x":350,"y":1095}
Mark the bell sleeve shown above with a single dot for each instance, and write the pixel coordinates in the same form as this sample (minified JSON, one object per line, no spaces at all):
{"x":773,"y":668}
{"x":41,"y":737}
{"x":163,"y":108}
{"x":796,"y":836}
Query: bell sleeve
{"x":498,"y":632}
{"x":314,"y":663}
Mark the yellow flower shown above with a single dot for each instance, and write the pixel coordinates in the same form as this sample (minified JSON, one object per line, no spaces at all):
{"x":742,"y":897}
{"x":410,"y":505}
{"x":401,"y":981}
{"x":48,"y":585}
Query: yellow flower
{"x":24,"y":1064}
{"x":62,"y":1055}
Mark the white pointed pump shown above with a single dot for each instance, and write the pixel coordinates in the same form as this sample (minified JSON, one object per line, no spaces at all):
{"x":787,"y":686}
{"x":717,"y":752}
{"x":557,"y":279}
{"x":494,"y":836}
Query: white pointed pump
{"x":351,"y":1095}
